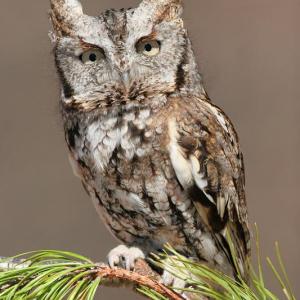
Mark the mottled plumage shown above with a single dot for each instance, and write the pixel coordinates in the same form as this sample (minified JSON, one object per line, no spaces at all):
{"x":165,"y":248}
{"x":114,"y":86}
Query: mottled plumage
{"x":161,"y":162}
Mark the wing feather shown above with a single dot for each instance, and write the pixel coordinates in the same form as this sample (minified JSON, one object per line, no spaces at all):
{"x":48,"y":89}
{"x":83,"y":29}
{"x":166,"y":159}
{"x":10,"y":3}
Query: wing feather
{"x":214,"y":165}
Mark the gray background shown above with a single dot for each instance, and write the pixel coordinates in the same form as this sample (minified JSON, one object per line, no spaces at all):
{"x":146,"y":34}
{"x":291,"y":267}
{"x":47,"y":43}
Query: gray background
{"x":249,"y":54}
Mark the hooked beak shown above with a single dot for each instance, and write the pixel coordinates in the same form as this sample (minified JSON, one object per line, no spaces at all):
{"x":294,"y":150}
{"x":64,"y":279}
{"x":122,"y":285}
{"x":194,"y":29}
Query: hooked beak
{"x":125,"y":76}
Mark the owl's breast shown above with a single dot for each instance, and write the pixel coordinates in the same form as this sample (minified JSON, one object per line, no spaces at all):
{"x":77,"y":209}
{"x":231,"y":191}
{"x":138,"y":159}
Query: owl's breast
{"x":125,"y":166}
{"x":127,"y":137}
{"x":127,"y":162}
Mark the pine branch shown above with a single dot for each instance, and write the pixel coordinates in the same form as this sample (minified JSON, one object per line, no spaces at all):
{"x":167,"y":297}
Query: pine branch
{"x":138,"y":279}
{"x":58,"y":275}
{"x":46,"y":271}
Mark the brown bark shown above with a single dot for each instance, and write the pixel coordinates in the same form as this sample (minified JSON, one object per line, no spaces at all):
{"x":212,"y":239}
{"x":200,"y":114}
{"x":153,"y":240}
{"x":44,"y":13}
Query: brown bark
{"x":143,"y":275}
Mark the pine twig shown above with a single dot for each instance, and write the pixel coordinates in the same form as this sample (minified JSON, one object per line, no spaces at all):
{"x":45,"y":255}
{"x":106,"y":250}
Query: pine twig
{"x":138,"y":279}
{"x":12,"y":264}
{"x":58,"y":275}
{"x":142,"y":276}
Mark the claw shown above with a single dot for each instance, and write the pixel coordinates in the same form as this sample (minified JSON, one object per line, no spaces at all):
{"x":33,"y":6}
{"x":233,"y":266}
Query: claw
{"x":124,"y":257}
{"x":116,"y":255}
{"x":169,"y":279}
{"x":176,"y":283}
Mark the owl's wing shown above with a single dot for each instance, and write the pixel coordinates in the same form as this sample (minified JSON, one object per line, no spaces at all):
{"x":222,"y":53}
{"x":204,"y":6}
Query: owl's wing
{"x":206,"y":139}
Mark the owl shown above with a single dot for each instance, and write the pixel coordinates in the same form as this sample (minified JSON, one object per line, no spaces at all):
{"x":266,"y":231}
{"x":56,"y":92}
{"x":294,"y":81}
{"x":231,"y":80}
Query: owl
{"x":161,"y":162}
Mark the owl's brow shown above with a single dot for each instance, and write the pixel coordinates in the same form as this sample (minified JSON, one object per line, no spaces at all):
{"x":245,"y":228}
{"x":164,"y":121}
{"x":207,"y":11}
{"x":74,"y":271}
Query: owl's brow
{"x":86,"y":46}
{"x":151,"y":36}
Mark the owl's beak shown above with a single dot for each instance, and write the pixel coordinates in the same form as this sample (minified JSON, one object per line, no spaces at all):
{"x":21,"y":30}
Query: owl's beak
{"x":126,"y":79}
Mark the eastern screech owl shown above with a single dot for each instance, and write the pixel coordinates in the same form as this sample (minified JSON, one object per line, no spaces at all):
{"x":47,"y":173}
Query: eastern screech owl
{"x":161,"y":162}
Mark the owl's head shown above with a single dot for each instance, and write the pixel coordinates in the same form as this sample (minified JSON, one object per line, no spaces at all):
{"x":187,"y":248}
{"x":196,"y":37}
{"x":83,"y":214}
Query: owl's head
{"x":121,"y":57}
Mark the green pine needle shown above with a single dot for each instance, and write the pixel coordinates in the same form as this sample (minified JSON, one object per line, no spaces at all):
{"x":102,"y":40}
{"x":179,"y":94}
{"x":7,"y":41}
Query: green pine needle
{"x":49,"y":275}
{"x":61,"y":275}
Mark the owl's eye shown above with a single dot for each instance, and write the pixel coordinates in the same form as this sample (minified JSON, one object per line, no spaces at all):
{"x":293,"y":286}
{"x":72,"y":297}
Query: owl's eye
{"x":91,"y":56}
{"x":148,"y":48}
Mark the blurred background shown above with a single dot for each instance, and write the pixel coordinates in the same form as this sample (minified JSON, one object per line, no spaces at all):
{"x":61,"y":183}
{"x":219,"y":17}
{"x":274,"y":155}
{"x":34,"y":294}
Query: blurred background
{"x":249,"y":54}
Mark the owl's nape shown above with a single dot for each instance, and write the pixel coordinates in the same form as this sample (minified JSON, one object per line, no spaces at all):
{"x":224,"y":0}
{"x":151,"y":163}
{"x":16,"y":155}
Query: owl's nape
{"x":160,"y":161}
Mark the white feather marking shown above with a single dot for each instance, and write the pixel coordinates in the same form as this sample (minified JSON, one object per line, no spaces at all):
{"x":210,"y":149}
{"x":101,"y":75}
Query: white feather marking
{"x":95,"y":135}
{"x":181,"y":165}
{"x":105,"y":136}
{"x":140,"y":152}
{"x":219,"y":117}
{"x":129,"y":117}
{"x":102,"y":142}
{"x":108,"y":124}
{"x":221,"y":205}
{"x":187,"y":171}
{"x":199,"y":177}
{"x":130,"y":201}
{"x":144,"y":114}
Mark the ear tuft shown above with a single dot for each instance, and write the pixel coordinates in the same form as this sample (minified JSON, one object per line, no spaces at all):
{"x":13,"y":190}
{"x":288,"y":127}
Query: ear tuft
{"x":64,"y":15}
{"x":160,"y":10}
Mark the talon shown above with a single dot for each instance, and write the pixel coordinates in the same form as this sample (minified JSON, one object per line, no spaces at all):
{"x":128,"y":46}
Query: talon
{"x":124,"y":257}
{"x":115,"y":256}
{"x":169,"y":279}
{"x":176,"y":283}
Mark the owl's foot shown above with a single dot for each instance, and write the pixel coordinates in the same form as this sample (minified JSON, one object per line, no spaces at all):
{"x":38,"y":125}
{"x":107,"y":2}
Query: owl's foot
{"x":169,"y":279}
{"x":176,"y":283}
{"x":124,"y":257}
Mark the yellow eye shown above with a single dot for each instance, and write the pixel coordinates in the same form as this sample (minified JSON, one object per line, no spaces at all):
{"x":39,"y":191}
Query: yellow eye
{"x":92,"y":56}
{"x":148,"y":48}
